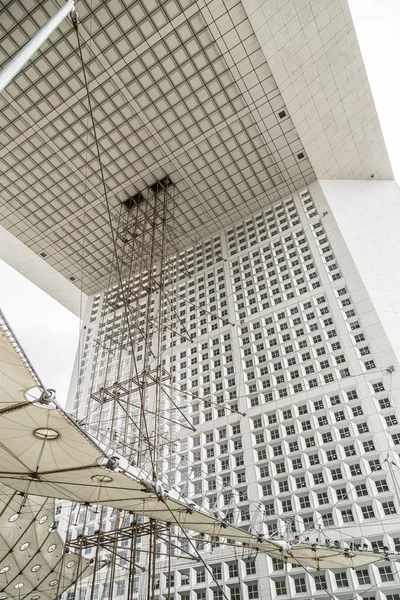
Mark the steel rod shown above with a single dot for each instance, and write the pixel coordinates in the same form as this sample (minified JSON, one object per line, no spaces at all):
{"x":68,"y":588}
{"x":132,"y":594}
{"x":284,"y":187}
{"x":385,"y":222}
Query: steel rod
{"x":25,"y":54}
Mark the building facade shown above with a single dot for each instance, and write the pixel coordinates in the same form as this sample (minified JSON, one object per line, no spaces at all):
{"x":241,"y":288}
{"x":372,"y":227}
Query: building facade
{"x":282,"y":339}
{"x":290,"y":377}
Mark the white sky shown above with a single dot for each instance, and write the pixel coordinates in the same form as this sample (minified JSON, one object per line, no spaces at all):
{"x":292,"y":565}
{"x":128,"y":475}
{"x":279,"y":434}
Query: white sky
{"x":49,"y":332}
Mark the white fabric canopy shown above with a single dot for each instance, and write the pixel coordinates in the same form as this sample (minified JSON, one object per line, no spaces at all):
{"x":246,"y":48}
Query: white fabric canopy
{"x":33,"y":561}
{"x":42,"y":452}
{"x":15,"y":378}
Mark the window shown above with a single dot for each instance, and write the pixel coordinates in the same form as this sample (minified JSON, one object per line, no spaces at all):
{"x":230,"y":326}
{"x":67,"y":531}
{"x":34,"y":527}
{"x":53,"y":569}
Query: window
{"x":336,"y":474}
{"x":252,"y":589}
{"x":350,"y":451}
{"x":378,"y":387}
{"x":381,"y":485}
{"x":280,"y":587}
{"x":120,"y":587}
{"x":286,"y":505}
{"x":361,"y":490}
{"x":283,"y":485}
{"x":384,"y":403}
{"x":300,"y":481}
{"x":300,"y":585}
{"x":308,"y":523}
{"x":327,"y":520}
{"x":363,"y":576}
{"x":233,"y":570}
{"x":304,"y":501}
{"x":368,"y":512}
{"x":216,"y":571}
{"x":347,"y":516}
{"x":375,"y":465}
{"x":235,"y":593}
{"x":341,"y":494}
{"x":318,"y":478}
{"x":362,"y":428}
{"x":245,"y":514}
{"x":200,"y":575}
{"x":250,"y":567}
{"x":389,"y":508}
{"x":369,"y":446}
{"x":341,"y":580}
{"x":323,"y":498}
{"x":386,"y":573}
{"x":320,"y":582}
{"x":355,"y":470}
{"x":264,"y":472}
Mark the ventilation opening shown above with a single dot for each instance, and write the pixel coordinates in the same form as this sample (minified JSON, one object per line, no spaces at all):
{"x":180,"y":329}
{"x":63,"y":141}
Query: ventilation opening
{"x":133,"y":201}
{"x":162,"y":184}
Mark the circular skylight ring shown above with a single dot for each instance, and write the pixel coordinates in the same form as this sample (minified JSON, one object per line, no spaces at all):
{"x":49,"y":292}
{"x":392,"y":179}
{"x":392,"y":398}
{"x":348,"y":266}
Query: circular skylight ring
{"x":102,"y":479}
{"x":33,"y":394}
{"x":24,"y":546}
{"x":13,"y":518}
{"x":4,"y":570}
{"x":44,"y":433}
{"x":35,"y":597}
{"x":36,"y":568}
{"x":19,"y":585}
{"x":70,"y":564}
{"x":52,"y":548}
{"x":42,"y":519}
{"x":53,"y":583}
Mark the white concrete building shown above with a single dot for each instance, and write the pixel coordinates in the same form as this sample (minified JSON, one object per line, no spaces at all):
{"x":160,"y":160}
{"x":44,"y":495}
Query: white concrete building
{"x":262,"y":116}
{"x":309,"y":360}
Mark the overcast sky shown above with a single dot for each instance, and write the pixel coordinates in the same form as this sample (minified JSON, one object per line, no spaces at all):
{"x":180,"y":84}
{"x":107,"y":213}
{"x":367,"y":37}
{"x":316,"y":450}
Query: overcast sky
{"x":49,"y":332}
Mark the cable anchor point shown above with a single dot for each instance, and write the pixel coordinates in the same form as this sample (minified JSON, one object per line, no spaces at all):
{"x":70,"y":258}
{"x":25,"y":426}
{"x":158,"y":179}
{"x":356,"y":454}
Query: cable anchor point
{"x":48,"y":396}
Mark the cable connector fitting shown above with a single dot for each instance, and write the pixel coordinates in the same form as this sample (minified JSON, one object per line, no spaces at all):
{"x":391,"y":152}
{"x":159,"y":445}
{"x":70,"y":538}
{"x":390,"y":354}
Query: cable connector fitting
{"x":48,"y":396}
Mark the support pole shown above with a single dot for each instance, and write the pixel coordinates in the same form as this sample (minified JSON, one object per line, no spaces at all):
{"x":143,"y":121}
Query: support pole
{"x":25,"y":54}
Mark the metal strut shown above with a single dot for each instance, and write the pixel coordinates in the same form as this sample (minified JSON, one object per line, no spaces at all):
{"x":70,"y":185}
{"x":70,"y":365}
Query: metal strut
{"x":25,"y":54}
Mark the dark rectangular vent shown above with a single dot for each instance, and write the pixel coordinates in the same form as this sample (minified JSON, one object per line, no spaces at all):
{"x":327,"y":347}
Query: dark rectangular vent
{"x":162,"y":184}
{"x":133,"y":201}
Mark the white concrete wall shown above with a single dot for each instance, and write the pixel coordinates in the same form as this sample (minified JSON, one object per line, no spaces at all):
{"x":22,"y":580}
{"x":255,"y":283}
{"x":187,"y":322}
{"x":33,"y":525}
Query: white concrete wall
{"x":313,"y":53}
{"x":367,"y":214}
{"x":33,"y":267}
